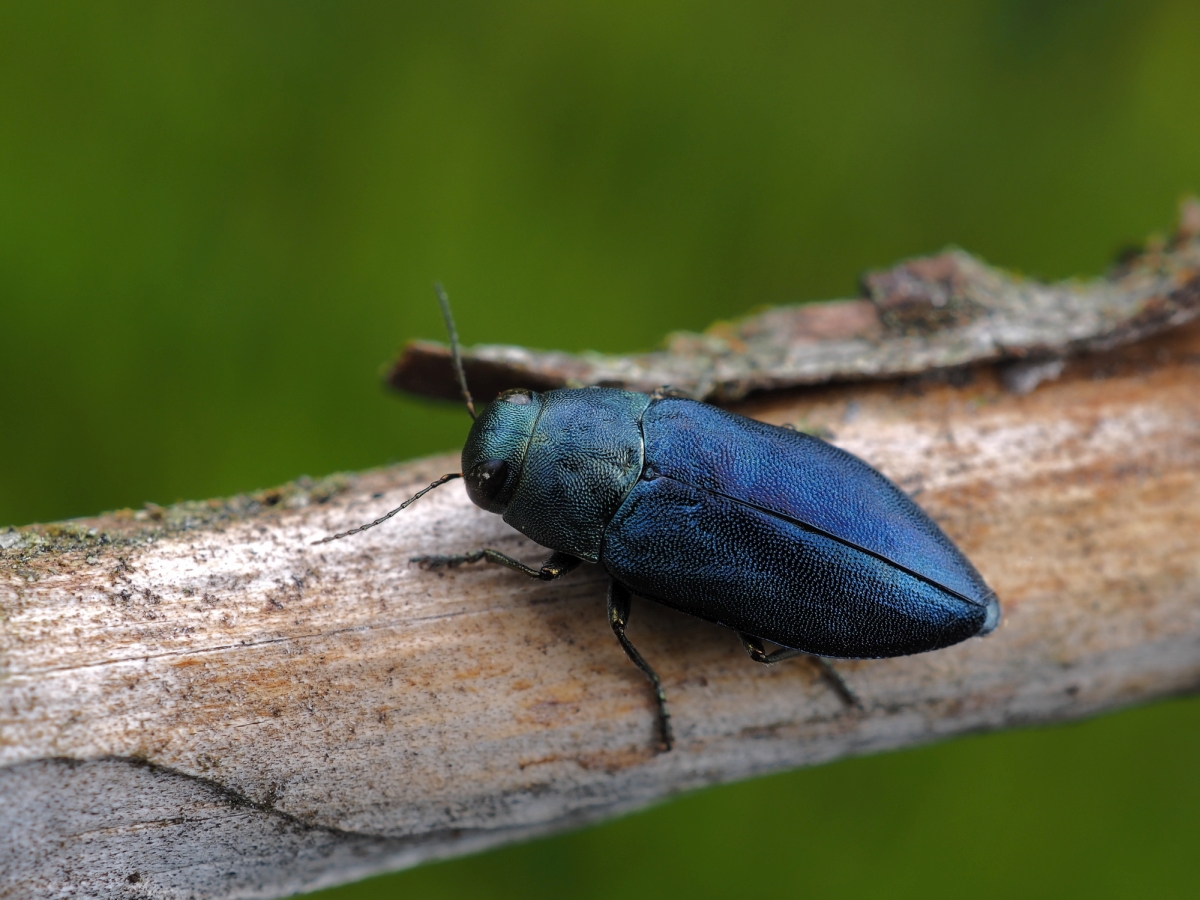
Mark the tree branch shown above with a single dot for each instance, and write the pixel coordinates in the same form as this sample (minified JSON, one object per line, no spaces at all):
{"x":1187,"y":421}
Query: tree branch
{"x":197,"y":701}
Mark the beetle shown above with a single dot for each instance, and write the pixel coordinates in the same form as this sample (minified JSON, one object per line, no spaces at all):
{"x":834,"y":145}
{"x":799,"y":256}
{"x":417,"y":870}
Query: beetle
{"x":766,"y":530}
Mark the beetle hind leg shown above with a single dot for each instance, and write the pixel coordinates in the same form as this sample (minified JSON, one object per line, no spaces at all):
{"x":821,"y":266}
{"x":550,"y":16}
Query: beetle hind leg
{"x":618,"y":618}
{"x":755,"y":650}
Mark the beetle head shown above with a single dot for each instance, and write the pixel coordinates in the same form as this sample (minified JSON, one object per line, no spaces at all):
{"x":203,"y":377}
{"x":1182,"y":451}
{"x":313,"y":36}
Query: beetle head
{"x":495,"y":450}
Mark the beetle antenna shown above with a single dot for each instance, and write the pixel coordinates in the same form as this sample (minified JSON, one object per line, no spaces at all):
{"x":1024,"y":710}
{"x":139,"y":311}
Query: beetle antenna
{"x":417,"y":496}
{"x":454,"y":351}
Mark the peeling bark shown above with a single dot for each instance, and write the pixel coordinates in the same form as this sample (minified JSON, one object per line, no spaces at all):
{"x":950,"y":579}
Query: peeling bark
{"x":195,"y":701}
{"x":938,"y":312}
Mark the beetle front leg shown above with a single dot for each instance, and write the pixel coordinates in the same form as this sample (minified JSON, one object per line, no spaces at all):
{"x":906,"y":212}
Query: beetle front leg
{"x":754,"y":648}
{"x":557,"y":565}
{"x":618,"y":618}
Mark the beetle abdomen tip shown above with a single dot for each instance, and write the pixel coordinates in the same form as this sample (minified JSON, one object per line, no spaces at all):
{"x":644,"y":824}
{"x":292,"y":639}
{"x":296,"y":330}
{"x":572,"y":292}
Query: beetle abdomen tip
{"x":992,"y":619}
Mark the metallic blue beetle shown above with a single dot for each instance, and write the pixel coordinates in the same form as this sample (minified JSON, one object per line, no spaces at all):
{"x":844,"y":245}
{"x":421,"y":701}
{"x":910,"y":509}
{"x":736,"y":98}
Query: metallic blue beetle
{"x":765,"y":530}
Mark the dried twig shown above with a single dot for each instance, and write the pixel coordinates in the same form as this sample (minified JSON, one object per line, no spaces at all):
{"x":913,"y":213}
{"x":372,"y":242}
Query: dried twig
{"x":939,"y":312}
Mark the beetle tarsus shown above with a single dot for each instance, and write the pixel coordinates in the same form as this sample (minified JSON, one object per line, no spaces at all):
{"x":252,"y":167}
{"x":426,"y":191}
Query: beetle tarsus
{"x":755,"y":650}
{"x":555,"y":566}
{"x":618,"y":618}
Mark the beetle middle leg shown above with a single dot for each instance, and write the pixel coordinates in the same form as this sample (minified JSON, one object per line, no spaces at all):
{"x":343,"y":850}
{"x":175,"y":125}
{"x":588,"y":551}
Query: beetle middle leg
{"x":618,"y":618}
{"x":755,"y":650}
{"x":555,"y":566}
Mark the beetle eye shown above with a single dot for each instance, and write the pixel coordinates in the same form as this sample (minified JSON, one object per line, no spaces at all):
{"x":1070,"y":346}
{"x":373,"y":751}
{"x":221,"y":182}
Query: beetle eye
{"x":486,"y":481}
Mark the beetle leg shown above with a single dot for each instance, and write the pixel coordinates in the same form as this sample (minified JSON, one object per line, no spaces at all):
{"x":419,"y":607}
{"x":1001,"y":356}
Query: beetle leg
{"x":557,"y":565}
{"x":754,"y":648}
{"x":618,"y":618}
{"x":834,"y":679}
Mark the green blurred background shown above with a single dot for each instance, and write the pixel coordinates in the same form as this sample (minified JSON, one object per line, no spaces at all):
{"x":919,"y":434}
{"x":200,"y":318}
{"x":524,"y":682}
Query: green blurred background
{"x":217,"y":220}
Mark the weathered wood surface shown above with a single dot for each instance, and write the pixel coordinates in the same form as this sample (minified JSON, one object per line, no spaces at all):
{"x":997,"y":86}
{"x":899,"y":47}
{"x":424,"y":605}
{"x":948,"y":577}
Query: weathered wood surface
{"x":197,"y":702}
{"x":936,"y":312}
